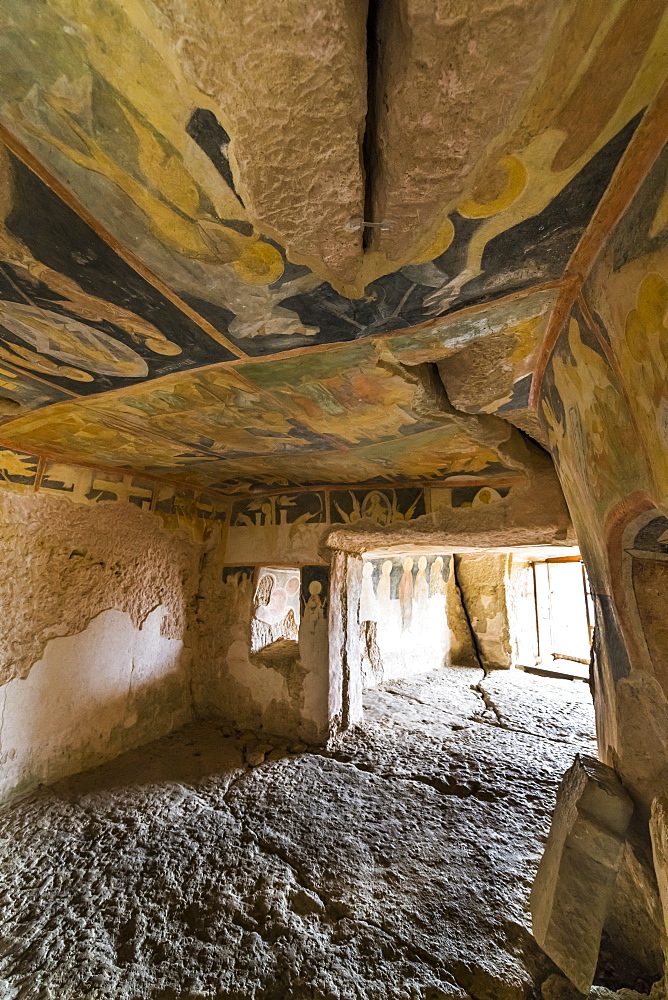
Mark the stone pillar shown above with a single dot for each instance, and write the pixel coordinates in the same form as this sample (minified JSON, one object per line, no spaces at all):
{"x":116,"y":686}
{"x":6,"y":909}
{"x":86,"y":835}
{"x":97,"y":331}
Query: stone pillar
{"x":482,"y":582}
{"x":345,"y":650}
{"x":462,"y":651}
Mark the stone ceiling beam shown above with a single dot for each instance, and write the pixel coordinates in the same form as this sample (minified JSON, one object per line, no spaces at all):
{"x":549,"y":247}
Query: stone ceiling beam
{"x":290,"y":80}
{"x":446,"y":88}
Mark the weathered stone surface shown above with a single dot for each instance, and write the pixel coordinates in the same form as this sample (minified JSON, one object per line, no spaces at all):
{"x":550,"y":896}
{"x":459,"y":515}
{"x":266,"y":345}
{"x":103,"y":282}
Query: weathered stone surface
{"x":570,"y":895}
{"x":345,"y":649}
{"x":635,"y":715}
{"x":395,"y":865}
{"x":556,"y":987}
{"x":560,"y":710}
{"x":634,"y":926}
{"x":288,"y":82}
{"x":462,"y":652}
{"x":489,"y":371}
{"x":450,"y":79}
{"x":482,"y":578}
{"x":658,"y":826}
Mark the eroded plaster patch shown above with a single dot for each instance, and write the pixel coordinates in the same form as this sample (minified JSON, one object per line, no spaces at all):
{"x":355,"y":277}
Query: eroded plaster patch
{"x":65,"y":563}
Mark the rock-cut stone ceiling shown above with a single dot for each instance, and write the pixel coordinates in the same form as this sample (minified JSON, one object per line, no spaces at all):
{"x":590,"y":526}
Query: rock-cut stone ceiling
{"x":251,"y":244}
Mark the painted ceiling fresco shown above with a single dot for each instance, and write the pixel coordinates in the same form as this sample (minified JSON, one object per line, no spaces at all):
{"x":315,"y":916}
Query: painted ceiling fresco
{"x":188,"y":286}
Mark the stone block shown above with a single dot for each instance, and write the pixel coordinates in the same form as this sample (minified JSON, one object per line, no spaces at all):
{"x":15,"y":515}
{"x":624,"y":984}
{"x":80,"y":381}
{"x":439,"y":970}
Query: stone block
{"x":634,"y":925}
{"x":658,"y":828}
{"x":576,"y":875}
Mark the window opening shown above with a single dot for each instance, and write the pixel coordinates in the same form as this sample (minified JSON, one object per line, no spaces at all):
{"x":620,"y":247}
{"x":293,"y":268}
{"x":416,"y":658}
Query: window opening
{"x":275,"y":606}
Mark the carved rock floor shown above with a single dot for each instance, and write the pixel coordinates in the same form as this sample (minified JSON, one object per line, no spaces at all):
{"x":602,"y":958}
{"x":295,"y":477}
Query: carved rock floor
{"x":397,"y":864}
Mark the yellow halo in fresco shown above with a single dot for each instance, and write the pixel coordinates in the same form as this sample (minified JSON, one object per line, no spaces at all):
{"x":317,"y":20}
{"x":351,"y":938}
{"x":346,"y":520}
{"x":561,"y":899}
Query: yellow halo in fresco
{"x":260,"y":264}
{"x":516,"y":178}
{"x":486,"y":496}
{"x":437,"y":246}
{"x":162,"y":346}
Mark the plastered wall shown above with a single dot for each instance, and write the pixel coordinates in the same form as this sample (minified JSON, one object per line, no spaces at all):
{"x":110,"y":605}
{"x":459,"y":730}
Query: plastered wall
{"x":96,"y":630}
{"x":91,"y":696}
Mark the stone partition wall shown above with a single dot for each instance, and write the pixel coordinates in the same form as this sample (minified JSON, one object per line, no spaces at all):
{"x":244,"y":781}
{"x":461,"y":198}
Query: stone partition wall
{"x":314,"y":687}
{"x":346,"y":679}
{"x":99,"y":576}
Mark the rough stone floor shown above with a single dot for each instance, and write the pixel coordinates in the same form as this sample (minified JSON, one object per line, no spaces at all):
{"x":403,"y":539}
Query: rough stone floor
{"x":397,"y":864}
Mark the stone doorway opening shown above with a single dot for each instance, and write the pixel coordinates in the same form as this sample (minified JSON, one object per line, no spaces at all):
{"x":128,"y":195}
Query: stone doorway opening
{"x":403,"y":615}
{"x":521,"y":609}
{"x":564,"y":616}
{"x":511,"y":619}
